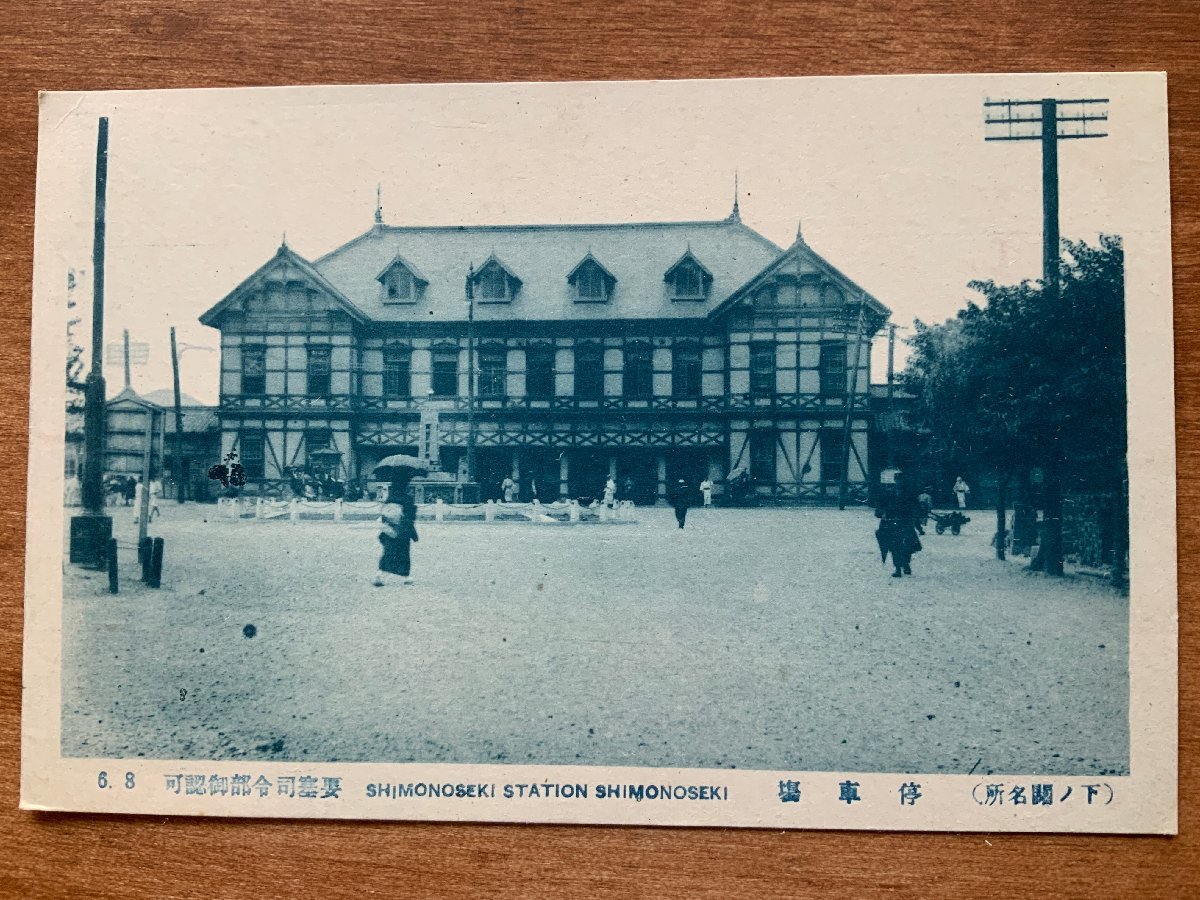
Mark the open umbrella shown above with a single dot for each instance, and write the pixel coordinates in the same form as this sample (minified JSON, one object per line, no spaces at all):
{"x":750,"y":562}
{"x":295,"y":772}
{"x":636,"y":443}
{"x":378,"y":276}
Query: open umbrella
{"x":399,"y":467}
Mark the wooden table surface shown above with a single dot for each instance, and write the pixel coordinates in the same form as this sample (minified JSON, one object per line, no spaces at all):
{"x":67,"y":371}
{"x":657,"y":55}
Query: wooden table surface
{"x":67,"y":46}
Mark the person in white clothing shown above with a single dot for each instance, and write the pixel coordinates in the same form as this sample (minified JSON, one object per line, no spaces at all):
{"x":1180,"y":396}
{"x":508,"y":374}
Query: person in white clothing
{"x":610,"y":492}
{"x":961,"y":489}
{"x":706,"y":489}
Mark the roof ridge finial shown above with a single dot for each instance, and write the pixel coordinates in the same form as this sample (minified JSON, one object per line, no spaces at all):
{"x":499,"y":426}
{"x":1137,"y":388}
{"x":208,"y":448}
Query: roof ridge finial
{"x":799,"y":231}
{"x":735,"y":215}
{"x":283,"y":240}
{"x":378,"y":203}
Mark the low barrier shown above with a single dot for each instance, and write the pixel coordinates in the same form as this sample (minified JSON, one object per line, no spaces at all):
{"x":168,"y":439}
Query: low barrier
{"x":568,"y":512}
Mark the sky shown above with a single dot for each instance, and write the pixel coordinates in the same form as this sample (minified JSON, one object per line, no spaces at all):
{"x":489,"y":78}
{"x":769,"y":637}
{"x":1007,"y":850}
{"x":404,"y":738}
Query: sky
{"x":890,"y":177}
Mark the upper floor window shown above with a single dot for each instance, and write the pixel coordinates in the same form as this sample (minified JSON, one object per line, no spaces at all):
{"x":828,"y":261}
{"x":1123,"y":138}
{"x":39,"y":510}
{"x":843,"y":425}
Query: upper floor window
{"x":401,"y":281}
{"x":591,"y":282}
{"x":762,"y":369}
{"x":399,"y":286}
{"x":833,"y":369}
{"x":397,"y":372}
{"x":589,"y":371}
{"x":254,"y":369}
{"x":494,"y":282}
{"x":686,"y":371}
{"x":539,"y":373}
{"x":831,"y":295}
{"x":493,"y":371}
{"x":639,"y":370}
{"x":765,"y":297}
{"x":688,"y":279}
{"x":319,"y":370}
{"x":444,"y":377}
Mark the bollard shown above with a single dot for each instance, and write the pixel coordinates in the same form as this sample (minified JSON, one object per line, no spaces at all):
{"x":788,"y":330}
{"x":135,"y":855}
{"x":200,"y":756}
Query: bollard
{"x":156,"y":563}
{"x":258,"y":507}
{"x":439,"y":510}
{"x":337,"y":510}
{"x":112,"y":565}
{"x":294,"y":511}
{"x":573,"y":511}
{"x":489,"y":511}
{"x":145,"y":548}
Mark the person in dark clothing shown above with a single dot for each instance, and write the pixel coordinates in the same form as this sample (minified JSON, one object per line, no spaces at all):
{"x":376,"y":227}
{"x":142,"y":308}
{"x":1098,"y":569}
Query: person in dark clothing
{"x":396,"y":533}
{"x":899,"y":512}
{"x":680,"y":498}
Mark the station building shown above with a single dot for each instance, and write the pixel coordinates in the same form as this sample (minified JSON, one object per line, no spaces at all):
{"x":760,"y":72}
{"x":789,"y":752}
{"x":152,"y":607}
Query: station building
{"x":647,"y":351}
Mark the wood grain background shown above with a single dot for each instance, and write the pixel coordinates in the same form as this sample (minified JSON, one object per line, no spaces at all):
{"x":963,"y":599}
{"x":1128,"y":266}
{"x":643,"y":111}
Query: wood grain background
{"x":64,"y":46}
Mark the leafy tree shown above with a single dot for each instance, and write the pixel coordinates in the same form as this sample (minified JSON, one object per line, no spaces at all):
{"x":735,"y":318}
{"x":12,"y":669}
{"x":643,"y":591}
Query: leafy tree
{"x":75,"y":373}
{"x":1023,"y":379}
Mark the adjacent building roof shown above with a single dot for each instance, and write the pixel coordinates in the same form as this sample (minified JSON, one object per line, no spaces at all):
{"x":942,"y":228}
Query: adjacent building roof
{"x":196,"y":416}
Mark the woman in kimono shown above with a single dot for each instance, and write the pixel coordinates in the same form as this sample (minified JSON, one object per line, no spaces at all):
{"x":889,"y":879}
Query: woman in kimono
{"x":397,"y":531}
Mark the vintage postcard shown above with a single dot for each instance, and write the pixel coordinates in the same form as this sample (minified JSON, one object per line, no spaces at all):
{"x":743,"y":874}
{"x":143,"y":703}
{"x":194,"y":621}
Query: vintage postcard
{"x":793,"y":453}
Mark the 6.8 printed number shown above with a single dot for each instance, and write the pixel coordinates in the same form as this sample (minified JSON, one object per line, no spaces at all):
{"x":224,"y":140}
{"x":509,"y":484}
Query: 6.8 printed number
{"x":102,"y":781}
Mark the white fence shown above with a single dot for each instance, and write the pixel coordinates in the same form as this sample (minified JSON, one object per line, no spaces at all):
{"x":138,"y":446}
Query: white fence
{"x":562,"y":512}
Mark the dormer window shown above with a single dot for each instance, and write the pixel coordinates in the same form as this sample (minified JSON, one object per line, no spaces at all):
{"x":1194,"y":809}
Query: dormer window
{"x":495,"y":283}
{"x":688,"y":279}
{"x":402,"y":283}
{"x":399,"y":286}
{"x":590,"y":282}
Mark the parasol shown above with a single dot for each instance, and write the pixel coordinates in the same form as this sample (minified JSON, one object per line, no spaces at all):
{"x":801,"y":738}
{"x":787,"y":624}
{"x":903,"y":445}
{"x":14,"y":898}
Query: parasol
{"x":399,"y":467}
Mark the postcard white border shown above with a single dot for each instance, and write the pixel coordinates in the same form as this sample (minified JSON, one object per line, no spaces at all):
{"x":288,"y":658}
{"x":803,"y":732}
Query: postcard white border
{"x":1143,"y":802}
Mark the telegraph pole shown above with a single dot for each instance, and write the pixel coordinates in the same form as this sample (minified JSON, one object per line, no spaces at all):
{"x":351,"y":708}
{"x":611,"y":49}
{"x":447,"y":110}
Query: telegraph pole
{"x":128,"y":378}
{"x":177,"y":466}
{"x":891,"y":386}
{"x":1048,"y":121}
{"x":851,"y":391}
{"x":471,"y":374}
{"x":91,"y":531}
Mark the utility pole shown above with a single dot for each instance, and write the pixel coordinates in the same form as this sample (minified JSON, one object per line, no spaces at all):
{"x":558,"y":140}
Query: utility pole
{"x":471,"y":374}
{"x":851,"y":391}
{"x":1048,"y":121}
{"x":91,"y":531}
{"x":177,"y":466}
{"x":128,"y":379}
{"x":891,"y":385}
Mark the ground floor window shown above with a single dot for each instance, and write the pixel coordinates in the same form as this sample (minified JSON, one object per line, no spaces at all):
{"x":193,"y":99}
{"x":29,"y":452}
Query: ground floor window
{"x":832,"y":454}
{"x":251,"y":454}
{"x":762,"y":455}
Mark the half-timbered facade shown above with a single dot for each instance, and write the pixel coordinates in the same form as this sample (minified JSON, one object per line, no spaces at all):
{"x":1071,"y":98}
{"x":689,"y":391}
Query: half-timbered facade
{"x":647,"y":351}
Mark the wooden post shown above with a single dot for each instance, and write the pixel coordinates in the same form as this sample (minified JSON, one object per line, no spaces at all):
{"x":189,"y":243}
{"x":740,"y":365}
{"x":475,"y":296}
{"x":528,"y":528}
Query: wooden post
{"x":144,"y":506}
{"x":177,"y":469}
{"x":156,"y":563}
{"x":112,"y":565}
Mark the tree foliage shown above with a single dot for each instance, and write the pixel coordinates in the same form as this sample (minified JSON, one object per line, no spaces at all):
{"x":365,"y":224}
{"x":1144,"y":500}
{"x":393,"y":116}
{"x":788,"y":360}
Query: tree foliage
{"x":1019,"y":377}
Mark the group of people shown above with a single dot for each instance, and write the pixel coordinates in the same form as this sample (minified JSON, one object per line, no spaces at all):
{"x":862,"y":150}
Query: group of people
{"x":903,"y":513}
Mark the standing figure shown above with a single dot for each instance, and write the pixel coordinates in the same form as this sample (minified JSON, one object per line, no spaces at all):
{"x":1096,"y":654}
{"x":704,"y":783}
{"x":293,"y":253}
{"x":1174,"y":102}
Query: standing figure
{"x":508,"y":489}
{"x":129,"y":491}
{"x":925,"y":501}
{"x":961,"y":489}
{"x":898,"y":512}
{"x":155,"y":494}
{"x":610,"y":492}
{"x":706,"y":489}
{"x":397,"y":530}
{"x":679,"y":499}
{"x":627,"y":488}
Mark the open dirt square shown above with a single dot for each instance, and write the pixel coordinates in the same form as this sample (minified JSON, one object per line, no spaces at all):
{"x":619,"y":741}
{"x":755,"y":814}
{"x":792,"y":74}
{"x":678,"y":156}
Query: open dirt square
{"x":761,"y":639}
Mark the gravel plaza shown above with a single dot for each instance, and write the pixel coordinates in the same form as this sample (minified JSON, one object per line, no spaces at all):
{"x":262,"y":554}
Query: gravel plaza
{"x":753,"y":639}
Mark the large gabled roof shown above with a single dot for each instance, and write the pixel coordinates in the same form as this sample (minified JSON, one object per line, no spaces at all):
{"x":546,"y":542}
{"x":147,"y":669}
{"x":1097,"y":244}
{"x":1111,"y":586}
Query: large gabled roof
{"x":284,"y":260}
{"x":802,"y":253}
{"x":637,"y":255}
